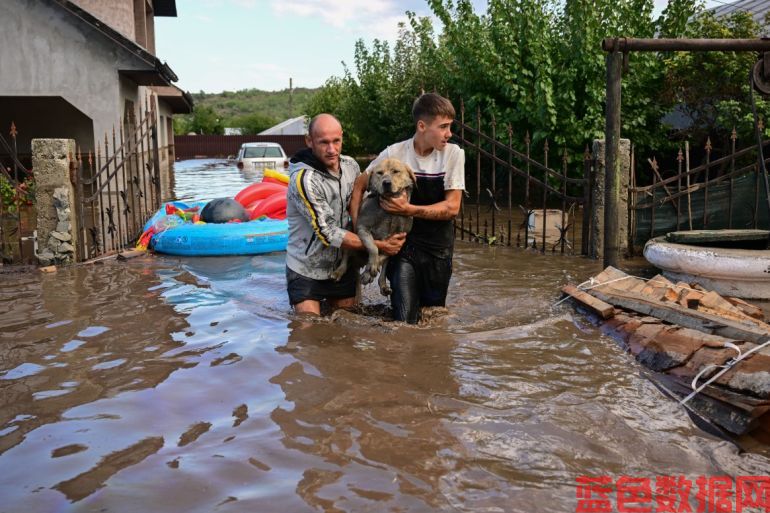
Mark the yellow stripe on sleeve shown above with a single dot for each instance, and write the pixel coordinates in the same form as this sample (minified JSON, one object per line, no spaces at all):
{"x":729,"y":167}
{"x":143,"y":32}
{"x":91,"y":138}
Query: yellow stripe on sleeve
{"x":313,"y":213}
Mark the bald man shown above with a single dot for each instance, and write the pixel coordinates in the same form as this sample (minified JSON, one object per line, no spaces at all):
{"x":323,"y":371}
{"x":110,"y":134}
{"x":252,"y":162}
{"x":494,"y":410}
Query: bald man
{"x":320,"y":185}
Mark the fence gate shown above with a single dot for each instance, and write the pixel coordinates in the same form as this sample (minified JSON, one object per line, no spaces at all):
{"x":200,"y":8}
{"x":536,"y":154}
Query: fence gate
{"x":550,"y":204}
{"x":17,"y":213}
{"x":118,"y":188}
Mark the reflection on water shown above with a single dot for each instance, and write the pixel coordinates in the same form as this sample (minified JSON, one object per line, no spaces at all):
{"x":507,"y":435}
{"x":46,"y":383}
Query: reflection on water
{"x":183,"y":384}
{"x":206,"y":179}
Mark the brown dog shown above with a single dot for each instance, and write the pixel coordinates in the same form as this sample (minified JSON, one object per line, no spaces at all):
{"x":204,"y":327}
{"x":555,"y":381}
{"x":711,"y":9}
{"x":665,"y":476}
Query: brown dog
{"x":389,"y":179}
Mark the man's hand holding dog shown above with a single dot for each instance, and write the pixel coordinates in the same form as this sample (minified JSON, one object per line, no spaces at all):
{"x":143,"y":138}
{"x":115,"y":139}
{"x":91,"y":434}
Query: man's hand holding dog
{"x":398,"y":205}
{"x":392,"y":245}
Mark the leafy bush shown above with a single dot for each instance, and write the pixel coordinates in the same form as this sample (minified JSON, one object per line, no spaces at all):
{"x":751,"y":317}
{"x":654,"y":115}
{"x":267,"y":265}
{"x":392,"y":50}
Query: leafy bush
{"x":13,"y":197}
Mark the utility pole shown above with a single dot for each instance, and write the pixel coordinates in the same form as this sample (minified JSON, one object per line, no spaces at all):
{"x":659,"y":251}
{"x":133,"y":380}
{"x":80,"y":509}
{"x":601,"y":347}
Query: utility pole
{"x":291,"y":95}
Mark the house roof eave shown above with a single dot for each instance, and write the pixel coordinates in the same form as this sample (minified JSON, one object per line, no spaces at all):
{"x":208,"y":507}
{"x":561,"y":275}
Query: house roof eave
{"x":180,"y":102}
{"x":164,"y":8}
{"x":162,"y":72}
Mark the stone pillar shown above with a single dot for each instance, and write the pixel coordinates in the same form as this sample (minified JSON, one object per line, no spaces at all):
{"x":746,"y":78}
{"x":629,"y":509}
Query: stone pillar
{"x":57,"y":223}
{"x":597,"y":216}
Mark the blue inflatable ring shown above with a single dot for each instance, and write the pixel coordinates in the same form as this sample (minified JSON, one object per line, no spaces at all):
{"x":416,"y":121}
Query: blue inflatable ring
{"x":188,"y":239}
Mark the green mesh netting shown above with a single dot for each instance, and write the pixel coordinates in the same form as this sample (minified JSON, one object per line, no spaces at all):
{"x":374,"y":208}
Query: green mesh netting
{"x":748,"y":210}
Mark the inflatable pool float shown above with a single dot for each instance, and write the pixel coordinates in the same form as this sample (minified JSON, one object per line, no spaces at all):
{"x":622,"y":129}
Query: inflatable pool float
{"x":174,"y":235}
{"x":695,"y":257}
{"x":266,"y":198}
{"x":176,"y":229}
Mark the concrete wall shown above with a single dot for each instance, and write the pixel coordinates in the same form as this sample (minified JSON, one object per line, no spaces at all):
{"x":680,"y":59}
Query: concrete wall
{"x":118,"y":14}
{"x":132,"y":18}
{"x":52,"y":53}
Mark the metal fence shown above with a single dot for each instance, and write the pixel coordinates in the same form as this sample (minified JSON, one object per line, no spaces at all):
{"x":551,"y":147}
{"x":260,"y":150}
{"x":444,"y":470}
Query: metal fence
{"x":118,"y":188}
{"x":17,"y":212}
{"x":549,"y":203}
{"x":727,"y":192}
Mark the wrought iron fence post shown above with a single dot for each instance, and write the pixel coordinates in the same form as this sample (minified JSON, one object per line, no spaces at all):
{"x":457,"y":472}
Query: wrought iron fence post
{"x":462,"y":196}
{"x":510,"y":182}
{"x":733,"y":137}
{"x":155,"y":154}
{"x":587,"y":203}
{"x":13,"y":134}
{"x":82,"y":240}
{"x":563,"y":228}
{"x":631,"y":203}
{"x":478,"y":168}
{"x":527,"y":210}
{"x":494,"y":173}
{"x":706,"y":183}
{"x":545,"y":195}
{"x":679,"y":160}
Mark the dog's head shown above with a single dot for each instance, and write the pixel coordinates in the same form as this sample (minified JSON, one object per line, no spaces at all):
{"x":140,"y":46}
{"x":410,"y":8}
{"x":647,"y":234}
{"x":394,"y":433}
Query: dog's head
{"x":390,"y":178}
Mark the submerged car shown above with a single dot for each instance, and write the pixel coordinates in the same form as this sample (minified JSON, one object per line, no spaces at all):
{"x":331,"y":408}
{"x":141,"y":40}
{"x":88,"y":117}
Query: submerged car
{"x":258,"y":156}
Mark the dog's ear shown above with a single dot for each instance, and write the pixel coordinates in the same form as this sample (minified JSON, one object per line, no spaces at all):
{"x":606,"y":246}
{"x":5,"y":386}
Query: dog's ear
{"x":370,"y":174}
{"x":411,"y":175}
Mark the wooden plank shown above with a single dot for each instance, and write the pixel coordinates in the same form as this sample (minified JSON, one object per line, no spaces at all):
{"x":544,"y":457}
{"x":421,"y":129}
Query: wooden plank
{"x":604,"y":310}
{"x":619,"y":279}
{"x":747,"y":308}
{"x":718,"y":236}
{"x":715,"y":304}
{"x":677,"y":314}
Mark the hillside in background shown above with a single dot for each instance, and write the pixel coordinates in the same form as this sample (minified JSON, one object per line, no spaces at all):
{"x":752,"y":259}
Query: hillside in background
{"x":250,"y":109}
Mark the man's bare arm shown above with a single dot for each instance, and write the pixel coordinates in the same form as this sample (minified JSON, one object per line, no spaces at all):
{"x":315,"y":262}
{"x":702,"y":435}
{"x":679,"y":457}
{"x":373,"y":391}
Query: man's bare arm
{"x":444,"y":210}
{"x":356,"y":197}
{"x":389,"y":246}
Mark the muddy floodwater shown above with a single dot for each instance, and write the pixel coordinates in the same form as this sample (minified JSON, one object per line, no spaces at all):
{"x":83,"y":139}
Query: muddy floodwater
{"x":171,"y":384}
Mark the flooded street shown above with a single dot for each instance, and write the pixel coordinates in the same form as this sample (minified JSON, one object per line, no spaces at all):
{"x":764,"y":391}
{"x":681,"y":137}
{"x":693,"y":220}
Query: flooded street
{"x":172,"y":384}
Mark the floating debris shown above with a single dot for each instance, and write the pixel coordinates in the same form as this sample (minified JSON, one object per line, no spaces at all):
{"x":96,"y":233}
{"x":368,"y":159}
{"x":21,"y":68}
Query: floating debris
{"x":710,"y":352}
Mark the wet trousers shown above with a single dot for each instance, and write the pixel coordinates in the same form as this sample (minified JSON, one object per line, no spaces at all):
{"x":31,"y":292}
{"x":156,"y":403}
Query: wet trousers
{"x":418,"y":279}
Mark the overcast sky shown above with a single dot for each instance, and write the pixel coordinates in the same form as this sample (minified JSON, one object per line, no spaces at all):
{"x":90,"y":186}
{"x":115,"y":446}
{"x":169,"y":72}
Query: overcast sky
{"x":217,"y":45}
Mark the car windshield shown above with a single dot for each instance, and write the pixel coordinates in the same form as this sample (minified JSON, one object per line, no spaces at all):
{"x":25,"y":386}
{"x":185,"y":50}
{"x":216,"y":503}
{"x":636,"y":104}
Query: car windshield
{"x":258,"y":152}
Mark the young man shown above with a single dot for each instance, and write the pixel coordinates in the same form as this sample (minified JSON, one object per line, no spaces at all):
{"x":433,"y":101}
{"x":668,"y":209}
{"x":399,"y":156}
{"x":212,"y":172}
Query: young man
{"x":320,"y":185}
{"x":419,"y":274}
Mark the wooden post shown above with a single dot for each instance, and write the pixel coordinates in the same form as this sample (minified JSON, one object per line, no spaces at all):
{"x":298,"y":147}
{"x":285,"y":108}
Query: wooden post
{"x":612,"y":175}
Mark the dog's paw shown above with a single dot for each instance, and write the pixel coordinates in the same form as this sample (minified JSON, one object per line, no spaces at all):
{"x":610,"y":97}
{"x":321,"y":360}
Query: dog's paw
{"x":337,"y":275}
{"x":385,"y":290}
{"x":366,"y":279}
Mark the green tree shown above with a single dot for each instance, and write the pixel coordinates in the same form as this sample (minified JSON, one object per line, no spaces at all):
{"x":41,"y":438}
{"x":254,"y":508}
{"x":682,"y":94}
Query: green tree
{"x":251,"y":123}
{"x":206,"y":121}
{"x":538,"y":66}
{"x":711,"y":89}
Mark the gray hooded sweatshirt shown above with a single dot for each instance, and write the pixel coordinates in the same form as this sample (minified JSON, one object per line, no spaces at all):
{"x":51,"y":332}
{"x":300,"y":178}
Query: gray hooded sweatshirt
{"x":317,"y":211}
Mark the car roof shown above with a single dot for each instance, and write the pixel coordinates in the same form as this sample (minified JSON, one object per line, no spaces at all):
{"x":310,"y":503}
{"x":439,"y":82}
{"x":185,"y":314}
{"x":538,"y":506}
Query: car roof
{"x":260,"y":144}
